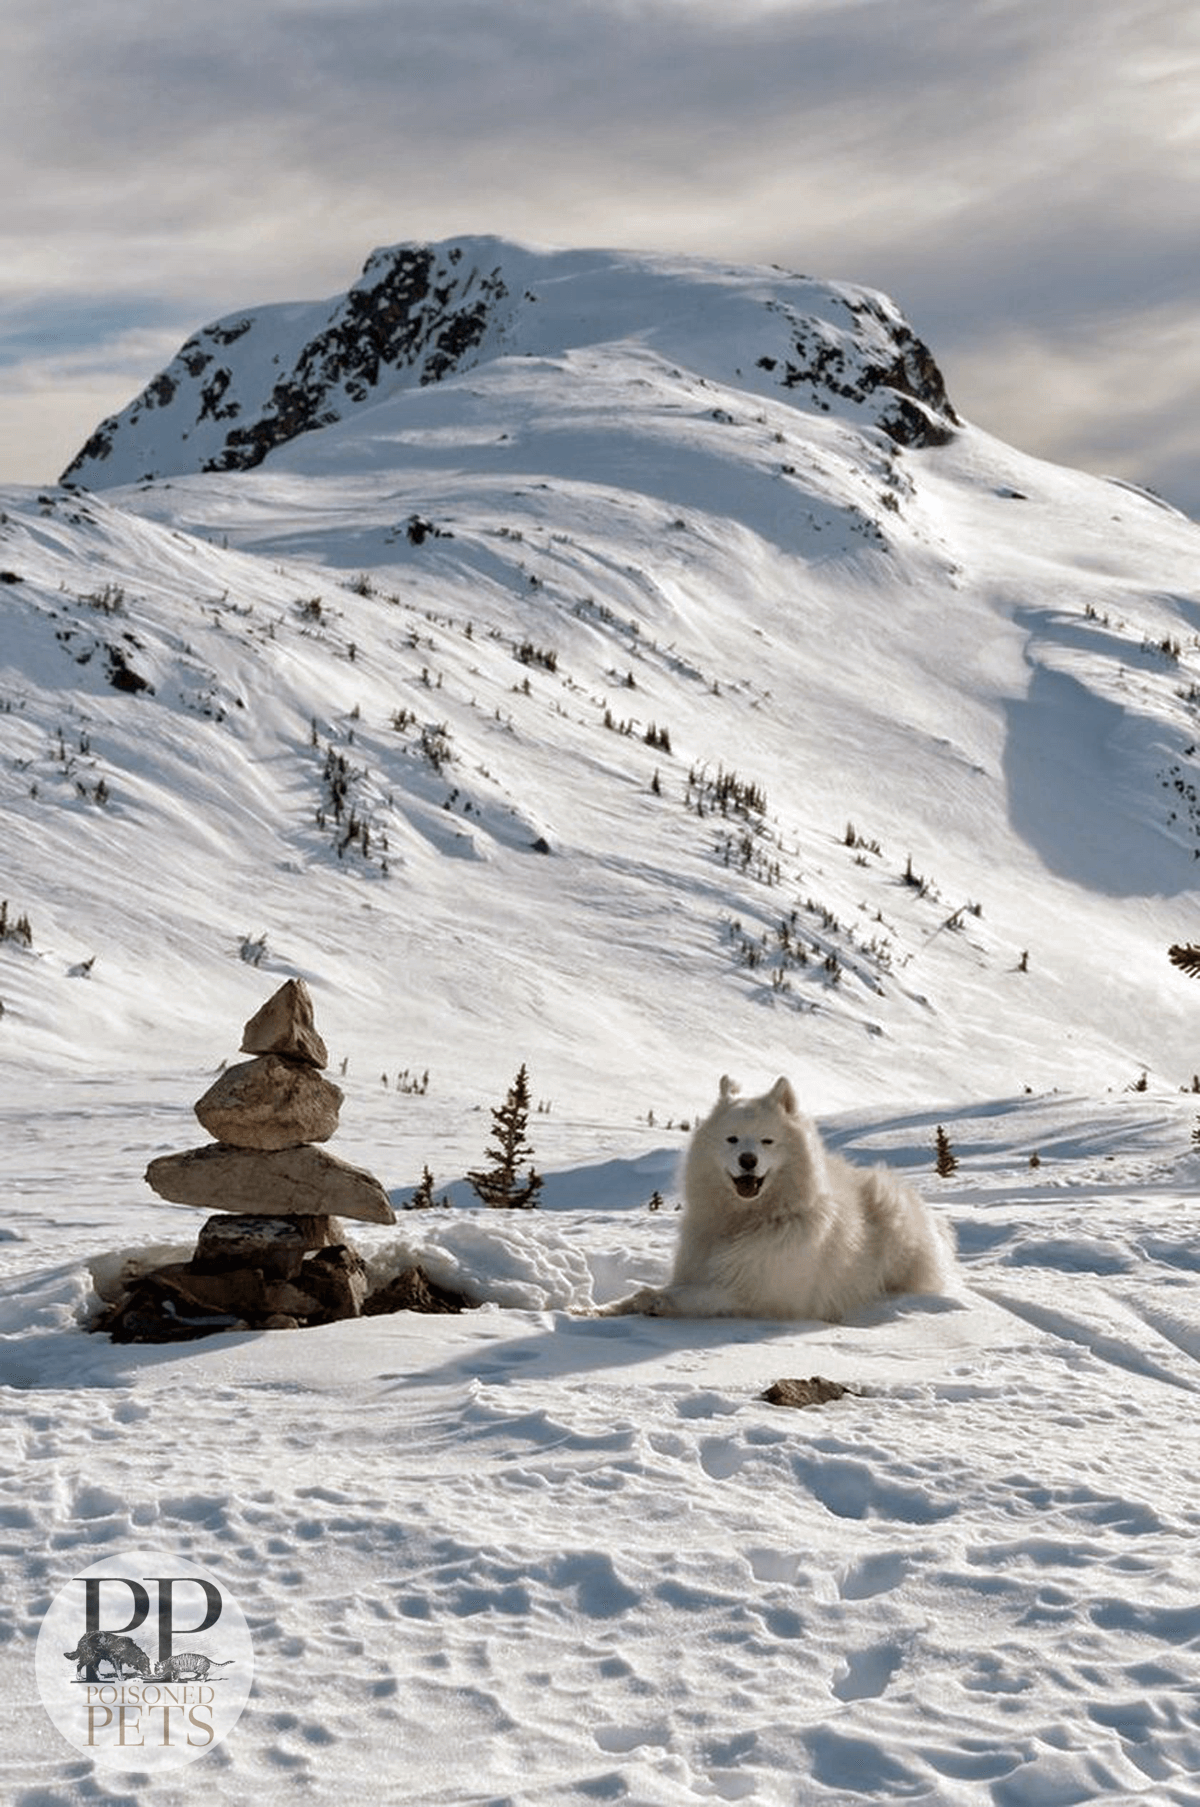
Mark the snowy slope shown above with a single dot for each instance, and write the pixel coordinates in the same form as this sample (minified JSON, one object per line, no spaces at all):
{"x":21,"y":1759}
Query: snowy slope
{"x":611,"y":705}
{"x":532,"y":1557}
{"x":475,"y":602}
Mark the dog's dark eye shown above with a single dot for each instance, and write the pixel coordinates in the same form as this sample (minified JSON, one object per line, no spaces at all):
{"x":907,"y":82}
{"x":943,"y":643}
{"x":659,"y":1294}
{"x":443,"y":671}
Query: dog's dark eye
{"x":768,"y":1141}
{"x":732,"y":1140}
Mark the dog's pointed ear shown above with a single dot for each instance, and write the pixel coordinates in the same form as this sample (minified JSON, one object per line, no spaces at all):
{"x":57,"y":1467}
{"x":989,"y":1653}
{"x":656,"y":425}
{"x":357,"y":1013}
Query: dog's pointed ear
{"x":729,"y":1088}
{"x":781,"y":1093}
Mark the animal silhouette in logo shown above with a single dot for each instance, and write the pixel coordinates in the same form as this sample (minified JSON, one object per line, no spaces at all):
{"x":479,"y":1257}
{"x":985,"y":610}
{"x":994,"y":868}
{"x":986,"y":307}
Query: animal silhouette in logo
{"x":189,"y":1665}
{"x":120,"y":1653}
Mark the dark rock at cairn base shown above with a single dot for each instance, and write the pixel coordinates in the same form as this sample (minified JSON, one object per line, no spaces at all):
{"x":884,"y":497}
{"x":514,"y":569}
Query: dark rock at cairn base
{"x":276,"y":1245}
{"x":162,"y":1308}
{"x":270,"y":1102}
{"x":285,"y":1025}
{"x":337,"y":1279}
{"x":286,"y":1298}
{"x":243,"y":1292}
{"x":280,"y":1182}
{"x":178,"y":1304}
{"x":413,"y":1290}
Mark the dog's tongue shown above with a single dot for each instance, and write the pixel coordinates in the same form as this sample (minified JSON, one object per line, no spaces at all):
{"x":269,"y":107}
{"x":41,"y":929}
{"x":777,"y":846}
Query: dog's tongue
{"x":747,"y":1185}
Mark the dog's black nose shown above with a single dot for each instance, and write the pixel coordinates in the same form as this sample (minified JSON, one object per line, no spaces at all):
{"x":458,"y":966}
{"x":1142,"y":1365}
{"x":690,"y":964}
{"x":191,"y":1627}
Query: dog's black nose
{"x":747,"y":1162}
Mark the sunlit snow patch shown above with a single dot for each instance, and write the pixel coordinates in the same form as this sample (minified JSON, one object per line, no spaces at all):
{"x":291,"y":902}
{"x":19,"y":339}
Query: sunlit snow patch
{"x":524,"y":1266}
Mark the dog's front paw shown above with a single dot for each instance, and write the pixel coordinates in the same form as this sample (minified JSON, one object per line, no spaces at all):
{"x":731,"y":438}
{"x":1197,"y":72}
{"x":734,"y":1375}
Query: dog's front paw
{"x":648,"y":1301}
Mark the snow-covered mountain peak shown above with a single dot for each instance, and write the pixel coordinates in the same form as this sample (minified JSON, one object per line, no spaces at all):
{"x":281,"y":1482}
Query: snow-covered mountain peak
{"x":256,"y":380}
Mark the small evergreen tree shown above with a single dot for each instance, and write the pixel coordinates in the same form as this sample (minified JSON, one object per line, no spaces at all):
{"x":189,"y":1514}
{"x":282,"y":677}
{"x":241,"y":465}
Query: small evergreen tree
{"x":946,"y":1161}
{"x":501,"y":1186}
{"x":422,"y":1198}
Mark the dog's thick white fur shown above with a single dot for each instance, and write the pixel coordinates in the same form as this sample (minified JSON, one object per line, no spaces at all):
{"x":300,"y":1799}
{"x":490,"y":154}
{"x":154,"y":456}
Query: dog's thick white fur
{"x":775,"y":1227}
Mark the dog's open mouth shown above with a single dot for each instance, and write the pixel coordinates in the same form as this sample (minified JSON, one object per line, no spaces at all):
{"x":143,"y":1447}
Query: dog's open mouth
{"x":748,"y":1185}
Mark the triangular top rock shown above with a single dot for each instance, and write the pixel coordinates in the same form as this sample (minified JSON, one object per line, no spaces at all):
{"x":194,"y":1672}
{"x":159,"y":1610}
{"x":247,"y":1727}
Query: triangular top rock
{"x":284,"y":1025}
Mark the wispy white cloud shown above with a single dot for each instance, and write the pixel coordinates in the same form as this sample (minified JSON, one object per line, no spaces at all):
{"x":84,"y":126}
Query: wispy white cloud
{"x":1018,"y":175}
{"x":1122,"y":397}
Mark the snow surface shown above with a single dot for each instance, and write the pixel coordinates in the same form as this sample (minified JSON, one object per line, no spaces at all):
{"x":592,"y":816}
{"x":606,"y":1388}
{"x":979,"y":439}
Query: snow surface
{"x":527,"y":1554}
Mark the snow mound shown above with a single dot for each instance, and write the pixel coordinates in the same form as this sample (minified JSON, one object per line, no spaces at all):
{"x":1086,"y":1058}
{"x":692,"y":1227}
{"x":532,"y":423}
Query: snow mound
{"x":495,"y":1260}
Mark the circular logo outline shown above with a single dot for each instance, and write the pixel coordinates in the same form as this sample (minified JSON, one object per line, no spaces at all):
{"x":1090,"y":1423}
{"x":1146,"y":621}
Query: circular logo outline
{"x":144,"y":1661}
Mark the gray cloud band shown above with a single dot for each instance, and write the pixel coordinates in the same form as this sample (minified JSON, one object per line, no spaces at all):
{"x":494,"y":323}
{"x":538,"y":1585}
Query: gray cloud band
{"x":1013,"y":180}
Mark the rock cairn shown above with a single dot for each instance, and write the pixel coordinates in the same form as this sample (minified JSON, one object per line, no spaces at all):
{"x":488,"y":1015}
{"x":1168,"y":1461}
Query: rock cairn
{"x":273,"y":1256}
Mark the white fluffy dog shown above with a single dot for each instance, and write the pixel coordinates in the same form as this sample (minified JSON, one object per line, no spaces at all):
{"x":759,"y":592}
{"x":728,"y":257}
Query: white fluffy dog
{"x":775,"y":1227}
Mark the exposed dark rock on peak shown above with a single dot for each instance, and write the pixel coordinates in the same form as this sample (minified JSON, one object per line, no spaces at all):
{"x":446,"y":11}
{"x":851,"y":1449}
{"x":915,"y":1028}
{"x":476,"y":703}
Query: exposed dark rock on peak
{"x":400,"y":317}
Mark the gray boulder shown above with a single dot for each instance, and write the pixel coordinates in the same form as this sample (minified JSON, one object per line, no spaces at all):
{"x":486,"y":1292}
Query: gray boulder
{"x":277,"y":1245}
{"x":282,"y":1182}
{"x":270,"y":1102}
{"x":285,"y":1025}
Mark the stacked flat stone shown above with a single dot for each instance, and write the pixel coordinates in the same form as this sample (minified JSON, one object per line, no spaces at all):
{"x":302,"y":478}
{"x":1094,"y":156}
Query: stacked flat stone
{"x":267,"y":1114}
{"x":277,"y":1258}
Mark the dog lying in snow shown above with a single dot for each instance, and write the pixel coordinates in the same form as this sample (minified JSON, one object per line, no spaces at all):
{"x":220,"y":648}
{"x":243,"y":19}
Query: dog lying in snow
{"x":775,"y":1227}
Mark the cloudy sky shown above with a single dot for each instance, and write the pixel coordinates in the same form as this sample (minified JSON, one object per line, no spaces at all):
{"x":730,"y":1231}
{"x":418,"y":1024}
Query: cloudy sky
{"x":1023,"y":176}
